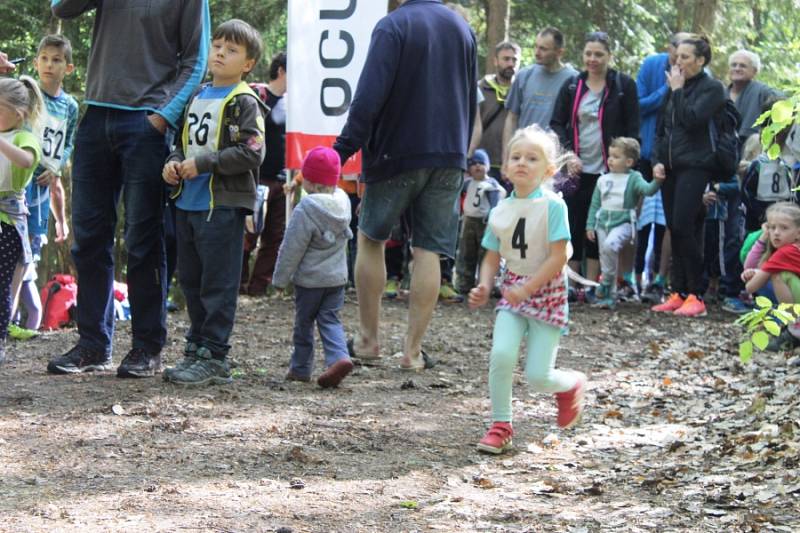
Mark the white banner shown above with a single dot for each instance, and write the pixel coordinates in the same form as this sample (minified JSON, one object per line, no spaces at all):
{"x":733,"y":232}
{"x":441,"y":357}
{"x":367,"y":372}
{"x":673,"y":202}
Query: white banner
{"x":328,"y":44}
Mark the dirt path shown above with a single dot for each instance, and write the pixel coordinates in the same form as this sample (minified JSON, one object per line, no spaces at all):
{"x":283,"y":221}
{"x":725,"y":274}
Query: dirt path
{"x":677,"y":437}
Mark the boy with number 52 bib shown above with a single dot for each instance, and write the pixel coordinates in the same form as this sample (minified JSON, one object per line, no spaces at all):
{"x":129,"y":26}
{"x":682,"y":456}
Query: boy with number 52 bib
{"x":215,"y":167}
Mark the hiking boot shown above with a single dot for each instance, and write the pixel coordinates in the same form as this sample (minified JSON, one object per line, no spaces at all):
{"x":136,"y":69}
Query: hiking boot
{"x":390,"y":291}
{"x":79,"y":359}
{"x":497,"y":439}
{"x":139,"y":364}
{"x":736,"y":306}
{"x":335,"y":374}
{"x":673,"y":303}
{"x":783,"y":342}
{"x":189,"y":355}
{"x":19,"y":333}
{"x":204,"y":370}
{"x":570,"y":403}
{"x":692,"y":306}
{"x":449,"y":295}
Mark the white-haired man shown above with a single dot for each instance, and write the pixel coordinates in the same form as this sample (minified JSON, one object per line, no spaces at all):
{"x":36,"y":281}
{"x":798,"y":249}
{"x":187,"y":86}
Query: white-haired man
{"x":748,"y":94}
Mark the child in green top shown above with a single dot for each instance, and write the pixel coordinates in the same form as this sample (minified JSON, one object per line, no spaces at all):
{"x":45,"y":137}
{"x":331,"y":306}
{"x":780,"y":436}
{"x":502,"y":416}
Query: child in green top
{"x":612,"y":213}
{"x":21,"y":105}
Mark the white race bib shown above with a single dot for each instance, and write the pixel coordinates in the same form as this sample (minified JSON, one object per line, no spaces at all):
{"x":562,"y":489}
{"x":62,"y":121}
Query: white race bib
{"x":612,"y":191}
{"x":521,"y":226}
{"x":203,"y":120}
{"x":774,"y":181}
{"x":54,"y":137}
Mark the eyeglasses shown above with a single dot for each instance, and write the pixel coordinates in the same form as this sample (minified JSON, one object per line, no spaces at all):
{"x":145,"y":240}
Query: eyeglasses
{"x":740,"y":65}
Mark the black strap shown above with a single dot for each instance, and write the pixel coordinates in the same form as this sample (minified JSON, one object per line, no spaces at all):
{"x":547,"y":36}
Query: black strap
{"x":493,"y":117}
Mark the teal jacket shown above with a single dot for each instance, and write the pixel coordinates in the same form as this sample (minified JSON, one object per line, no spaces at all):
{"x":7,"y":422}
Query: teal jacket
{"x":608,"y":219}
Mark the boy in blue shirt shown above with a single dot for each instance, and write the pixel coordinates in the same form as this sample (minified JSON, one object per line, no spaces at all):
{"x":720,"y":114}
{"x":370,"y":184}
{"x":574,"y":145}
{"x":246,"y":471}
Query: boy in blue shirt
{"x":45,"y":193}
{"x":215,"y":168}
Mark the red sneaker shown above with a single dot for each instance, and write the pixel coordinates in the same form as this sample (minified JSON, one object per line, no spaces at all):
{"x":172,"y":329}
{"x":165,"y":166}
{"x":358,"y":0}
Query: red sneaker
{"x":692,"y":306}
{"x":570,"y":404}
{"x":335,"y":374}
{"x":497,"y":439}
{"x":673,"y":303}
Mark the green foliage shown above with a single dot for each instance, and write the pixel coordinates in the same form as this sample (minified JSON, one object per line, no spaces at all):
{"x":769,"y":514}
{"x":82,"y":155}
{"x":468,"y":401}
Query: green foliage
{"x":780,"y":117}
{"x":761,"y":323}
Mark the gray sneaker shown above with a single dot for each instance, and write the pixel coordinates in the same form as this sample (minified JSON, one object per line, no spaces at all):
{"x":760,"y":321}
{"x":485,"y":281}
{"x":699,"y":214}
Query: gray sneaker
{"x":203,"y":370}
{"x":189,"y":356}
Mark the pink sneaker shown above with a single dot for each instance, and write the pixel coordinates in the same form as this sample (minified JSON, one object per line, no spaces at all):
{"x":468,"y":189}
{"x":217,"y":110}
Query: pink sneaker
{"x":692,"y":306}
{"x":497,"y":439}
{"x":670,"y":306}
{"x":570,"y":404}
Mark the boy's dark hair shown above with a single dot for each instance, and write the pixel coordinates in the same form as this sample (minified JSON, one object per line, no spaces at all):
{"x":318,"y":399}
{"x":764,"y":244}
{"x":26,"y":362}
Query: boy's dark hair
{"x":506,"y":45}
{"x":629,"y":146}
{"x":558,"y":37}
{"x":239,"y":32}
{"x":278,"y":61}
{"x":56,"y":41}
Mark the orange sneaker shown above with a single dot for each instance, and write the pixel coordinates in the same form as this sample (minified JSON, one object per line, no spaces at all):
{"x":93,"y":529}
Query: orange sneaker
{"x":692,"y":306}
{"x":673,"y":303}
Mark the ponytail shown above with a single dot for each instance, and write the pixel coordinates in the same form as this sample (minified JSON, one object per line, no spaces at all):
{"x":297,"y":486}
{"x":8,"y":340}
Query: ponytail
{"x":24,"y":96}
{"x":35,"y":109}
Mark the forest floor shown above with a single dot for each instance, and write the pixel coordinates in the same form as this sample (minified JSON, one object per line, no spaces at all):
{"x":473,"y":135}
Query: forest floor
{"x":677,"y":436}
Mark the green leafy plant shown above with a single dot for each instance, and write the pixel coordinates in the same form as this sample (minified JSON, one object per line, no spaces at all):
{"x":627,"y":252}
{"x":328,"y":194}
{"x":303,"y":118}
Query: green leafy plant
{"x":763,"y":321}
{"x":782,"y":115}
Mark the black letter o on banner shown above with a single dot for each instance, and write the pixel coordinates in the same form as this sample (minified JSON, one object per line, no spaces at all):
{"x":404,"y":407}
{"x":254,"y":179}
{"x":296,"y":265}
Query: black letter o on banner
{"x":338,"y":14}
{"x":335,"y":83}
{"x":340,"y":62}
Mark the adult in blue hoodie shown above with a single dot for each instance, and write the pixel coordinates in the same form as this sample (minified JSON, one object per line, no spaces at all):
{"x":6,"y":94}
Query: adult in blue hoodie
{"x":411,"y":115}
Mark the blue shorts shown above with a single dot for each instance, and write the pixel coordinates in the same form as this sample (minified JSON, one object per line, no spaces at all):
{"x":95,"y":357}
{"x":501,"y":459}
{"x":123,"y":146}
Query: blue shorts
{"x":428,"y":196}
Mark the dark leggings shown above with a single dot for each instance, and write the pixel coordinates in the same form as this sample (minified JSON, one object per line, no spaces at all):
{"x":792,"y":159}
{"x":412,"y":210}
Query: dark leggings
{"x":683,"y":207}
{"x":10,"y":251}
{"x":643,"y":240}
{"x":577,"y":212}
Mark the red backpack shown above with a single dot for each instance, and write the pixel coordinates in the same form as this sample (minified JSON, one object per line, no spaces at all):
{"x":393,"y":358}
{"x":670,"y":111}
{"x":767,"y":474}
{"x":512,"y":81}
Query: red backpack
{"x":59,"y":298}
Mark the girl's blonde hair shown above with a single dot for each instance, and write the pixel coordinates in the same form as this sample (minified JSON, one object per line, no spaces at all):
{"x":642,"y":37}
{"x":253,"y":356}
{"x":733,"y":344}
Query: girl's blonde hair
{"x":788,"y":209}
{"x":23,"y":95}
{"x":547,"y":142}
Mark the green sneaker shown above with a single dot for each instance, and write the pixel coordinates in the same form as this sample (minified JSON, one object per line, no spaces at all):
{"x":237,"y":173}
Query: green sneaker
{"x":189,"y":357}
{"x":449,"y":295}
{"x":203,"y":370}
{"x":390,"y":291}
{"x":21,"y":334}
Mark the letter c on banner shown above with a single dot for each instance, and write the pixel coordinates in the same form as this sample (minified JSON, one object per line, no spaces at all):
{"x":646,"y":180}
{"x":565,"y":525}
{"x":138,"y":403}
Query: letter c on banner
{"x":335,"y":83}
{"x":328,"y":62}
{"x":338,"y":14}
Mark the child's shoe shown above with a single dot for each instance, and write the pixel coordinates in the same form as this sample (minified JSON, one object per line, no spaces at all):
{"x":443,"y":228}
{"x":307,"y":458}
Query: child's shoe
{"x":783,"y":342}
{"x":653,"y":293}
{"x":390,"y":291}
{"x":673,"y":303}
{"x":19,"y":333}
{"x":449,"y":295}
{"x":692,"y":306}
{"x":627,"y":292}
{"x":335,"y":374}
{"x":736,"y":306}
{"x":590,"y":296}
{"x":570,"y":403}
{"x":497,"y":439}
{"x":605,"y":303}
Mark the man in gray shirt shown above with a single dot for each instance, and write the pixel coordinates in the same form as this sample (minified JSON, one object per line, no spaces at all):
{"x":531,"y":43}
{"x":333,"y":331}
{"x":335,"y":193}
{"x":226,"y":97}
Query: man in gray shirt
{"x":535,"y":89}
{"x":748,"y":94}
{"x":146,"y":60}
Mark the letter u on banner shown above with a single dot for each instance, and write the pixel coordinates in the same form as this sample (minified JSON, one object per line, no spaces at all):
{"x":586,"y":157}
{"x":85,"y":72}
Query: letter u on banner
{"x":328,"y":43}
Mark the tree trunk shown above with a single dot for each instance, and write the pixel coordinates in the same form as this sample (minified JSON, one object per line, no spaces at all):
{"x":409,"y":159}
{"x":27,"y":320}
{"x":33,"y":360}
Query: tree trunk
{"x":497,"y":16}
{"x":704,"y":15}
{"x":680,"y":10}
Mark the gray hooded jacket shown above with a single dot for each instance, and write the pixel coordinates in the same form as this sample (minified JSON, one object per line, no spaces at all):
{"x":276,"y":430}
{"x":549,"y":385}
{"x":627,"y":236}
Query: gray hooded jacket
{"x":313,"y":253}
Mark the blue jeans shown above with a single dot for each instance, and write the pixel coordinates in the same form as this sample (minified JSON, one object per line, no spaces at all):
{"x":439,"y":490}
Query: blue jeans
{"x":730,"y":283}
{"x":209,"y":268}
{"x":116,"y":151}
{"x":322,"y":306}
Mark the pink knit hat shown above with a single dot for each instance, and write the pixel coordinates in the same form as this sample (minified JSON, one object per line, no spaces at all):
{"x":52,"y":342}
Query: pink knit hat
{"x":323,"y":166}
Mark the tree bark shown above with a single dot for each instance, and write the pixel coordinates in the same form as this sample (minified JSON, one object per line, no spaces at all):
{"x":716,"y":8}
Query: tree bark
{"x":497,"y":17}
{"x":704,"y":16}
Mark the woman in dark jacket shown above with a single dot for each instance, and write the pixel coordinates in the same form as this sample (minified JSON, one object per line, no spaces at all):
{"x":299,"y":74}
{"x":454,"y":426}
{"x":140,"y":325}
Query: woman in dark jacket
{"x":591,"y":110}
{"x":684,"y":154}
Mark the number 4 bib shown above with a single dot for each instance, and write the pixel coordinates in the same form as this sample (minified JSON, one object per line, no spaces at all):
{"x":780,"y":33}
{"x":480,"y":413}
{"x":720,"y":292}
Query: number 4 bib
{"x":521,"y":226}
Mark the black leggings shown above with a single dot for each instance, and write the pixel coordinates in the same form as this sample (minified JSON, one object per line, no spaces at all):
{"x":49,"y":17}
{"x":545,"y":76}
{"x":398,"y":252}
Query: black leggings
{"x":10,"y":251}
{"x":577,"y":212}
{"x":683,"y":207}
